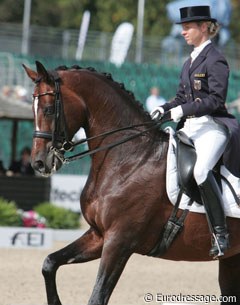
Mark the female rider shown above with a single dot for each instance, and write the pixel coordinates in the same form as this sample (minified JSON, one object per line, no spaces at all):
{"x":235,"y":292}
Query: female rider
{"x":199,"y":106}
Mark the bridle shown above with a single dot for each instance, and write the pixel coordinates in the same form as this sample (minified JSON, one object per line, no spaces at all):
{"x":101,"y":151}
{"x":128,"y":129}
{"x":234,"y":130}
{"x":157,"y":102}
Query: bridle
{"x":59,"y":134}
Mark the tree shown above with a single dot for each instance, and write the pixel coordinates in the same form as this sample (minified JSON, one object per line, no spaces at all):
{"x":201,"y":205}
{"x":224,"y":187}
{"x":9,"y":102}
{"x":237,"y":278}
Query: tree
{"x":105,"y":15}
{"x":235,"y":21}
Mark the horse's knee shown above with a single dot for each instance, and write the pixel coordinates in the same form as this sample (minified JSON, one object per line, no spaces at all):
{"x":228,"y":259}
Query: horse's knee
{"x":49,"y":266}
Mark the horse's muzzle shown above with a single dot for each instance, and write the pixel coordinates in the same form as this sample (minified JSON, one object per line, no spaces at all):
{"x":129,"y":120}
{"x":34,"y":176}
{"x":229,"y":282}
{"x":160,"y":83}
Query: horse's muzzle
{"x":47,"y":165}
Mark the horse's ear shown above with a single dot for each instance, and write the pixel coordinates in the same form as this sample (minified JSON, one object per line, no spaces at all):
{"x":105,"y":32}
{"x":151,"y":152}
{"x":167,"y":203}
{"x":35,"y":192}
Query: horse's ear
{"x":42,"y":72}
{"x":32,"y":74}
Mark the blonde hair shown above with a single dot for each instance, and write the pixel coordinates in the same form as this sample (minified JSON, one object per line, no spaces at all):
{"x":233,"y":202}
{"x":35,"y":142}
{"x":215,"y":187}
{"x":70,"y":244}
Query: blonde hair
{"x":213,"y":28}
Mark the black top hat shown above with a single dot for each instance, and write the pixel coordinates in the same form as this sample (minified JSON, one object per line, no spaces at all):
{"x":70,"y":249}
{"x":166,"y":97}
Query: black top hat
{"x":195,"y":13}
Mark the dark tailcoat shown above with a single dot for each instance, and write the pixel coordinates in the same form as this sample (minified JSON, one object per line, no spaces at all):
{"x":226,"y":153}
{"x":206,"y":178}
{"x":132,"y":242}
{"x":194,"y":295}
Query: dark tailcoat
{"x":202,"y":91}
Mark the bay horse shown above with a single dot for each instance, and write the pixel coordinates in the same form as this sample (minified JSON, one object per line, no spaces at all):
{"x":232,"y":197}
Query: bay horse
{"x":124,"y":200}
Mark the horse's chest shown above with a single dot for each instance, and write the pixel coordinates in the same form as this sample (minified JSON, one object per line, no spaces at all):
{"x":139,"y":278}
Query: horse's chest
{"x":90,"y":208}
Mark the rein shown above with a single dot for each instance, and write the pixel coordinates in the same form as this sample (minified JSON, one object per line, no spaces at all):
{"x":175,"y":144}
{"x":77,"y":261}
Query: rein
{"x":108,"y":146}
{"x":59,"y":134}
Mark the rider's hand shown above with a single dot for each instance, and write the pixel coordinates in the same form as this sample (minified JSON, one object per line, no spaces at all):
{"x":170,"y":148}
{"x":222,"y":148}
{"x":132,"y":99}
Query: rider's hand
{"x":157,"y":113}
{"x":176,"y":114}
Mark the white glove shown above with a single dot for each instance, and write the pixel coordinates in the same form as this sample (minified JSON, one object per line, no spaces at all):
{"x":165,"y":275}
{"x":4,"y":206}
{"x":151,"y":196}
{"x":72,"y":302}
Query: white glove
{"x":157,"y":113}
{"x":176,"y":114}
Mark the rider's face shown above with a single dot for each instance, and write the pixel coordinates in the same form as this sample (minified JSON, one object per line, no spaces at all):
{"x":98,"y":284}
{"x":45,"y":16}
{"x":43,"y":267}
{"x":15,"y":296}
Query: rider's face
{"x":194,"y":33}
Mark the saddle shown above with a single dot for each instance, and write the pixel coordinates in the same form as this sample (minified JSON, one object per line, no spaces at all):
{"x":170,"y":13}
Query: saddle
{"x":186,"y":158}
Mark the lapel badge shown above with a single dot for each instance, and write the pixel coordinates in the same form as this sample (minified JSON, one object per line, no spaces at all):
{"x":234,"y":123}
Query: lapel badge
{"x":197,"y":84}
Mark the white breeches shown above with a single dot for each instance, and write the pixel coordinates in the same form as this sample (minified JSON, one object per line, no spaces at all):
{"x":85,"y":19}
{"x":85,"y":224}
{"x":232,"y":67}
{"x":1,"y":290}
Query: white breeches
{"x":210,"y":140}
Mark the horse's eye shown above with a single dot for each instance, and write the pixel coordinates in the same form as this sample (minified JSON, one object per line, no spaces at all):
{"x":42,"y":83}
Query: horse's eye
{"x":48,"y":111}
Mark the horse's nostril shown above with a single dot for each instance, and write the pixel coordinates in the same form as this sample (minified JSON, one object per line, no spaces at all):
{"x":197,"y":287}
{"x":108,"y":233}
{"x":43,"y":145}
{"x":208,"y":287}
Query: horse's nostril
{"x":38,"y":165}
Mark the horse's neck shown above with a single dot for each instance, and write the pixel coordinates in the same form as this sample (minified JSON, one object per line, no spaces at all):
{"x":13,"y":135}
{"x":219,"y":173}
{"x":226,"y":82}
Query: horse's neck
{"x":100,"y":105}
{"x":108,"y":106}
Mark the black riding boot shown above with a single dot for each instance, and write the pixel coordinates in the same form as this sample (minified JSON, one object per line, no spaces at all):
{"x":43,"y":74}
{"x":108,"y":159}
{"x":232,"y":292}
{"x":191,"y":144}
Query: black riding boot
{"x":212,"y":200}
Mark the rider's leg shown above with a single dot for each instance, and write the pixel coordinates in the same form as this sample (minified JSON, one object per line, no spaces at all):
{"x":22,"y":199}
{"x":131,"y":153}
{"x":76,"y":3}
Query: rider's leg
{"x":210,"y":148}
{"x":213,"y":204}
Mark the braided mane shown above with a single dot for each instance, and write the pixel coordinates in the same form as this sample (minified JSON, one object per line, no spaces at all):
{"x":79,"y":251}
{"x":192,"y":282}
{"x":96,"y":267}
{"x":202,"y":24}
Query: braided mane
{"x":109,"y":77}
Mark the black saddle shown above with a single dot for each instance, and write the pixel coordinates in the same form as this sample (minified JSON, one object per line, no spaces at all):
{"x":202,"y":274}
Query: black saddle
{"x":186,"y":159}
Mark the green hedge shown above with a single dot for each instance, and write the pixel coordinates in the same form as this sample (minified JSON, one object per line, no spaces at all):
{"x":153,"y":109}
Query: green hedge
{"x":57,"y":217}
{"x":9,"y":215}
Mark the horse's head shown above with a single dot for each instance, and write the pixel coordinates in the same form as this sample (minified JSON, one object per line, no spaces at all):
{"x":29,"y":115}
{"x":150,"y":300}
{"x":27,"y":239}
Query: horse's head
{"x":66,"y":99}
{"x":52,"y":134}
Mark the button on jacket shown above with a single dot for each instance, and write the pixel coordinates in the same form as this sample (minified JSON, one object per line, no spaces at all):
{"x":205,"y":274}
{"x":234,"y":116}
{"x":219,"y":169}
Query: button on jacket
{"x":202,"y":91}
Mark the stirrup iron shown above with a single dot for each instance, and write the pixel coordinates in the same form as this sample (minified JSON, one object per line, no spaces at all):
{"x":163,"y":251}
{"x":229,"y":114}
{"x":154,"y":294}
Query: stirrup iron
{"x":220,"y":252}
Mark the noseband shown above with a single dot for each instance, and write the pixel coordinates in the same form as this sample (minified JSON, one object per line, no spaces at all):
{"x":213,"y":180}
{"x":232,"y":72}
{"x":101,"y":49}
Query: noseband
{"x":59,"y":135}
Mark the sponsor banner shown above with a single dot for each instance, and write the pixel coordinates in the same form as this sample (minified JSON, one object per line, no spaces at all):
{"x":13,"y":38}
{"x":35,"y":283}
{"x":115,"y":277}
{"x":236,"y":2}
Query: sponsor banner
{"x":66,"y":190}
{"x":120,"y":43}
{"x":83,"y":34}
{"x":17,"y":237}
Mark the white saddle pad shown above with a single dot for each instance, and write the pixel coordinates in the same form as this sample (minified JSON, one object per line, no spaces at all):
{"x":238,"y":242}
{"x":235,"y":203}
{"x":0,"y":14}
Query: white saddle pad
{"x":230,"y":206}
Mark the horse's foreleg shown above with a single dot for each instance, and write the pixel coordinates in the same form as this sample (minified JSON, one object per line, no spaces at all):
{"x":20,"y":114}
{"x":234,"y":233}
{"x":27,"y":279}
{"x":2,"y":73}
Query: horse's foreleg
{"x":88,"y":247}
{"x":229,"y":279}
{"x":113,"y":260}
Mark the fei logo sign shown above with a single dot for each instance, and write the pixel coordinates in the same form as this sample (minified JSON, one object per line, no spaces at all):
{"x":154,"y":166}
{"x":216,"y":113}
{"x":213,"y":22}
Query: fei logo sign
{"x":14,"y":237}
